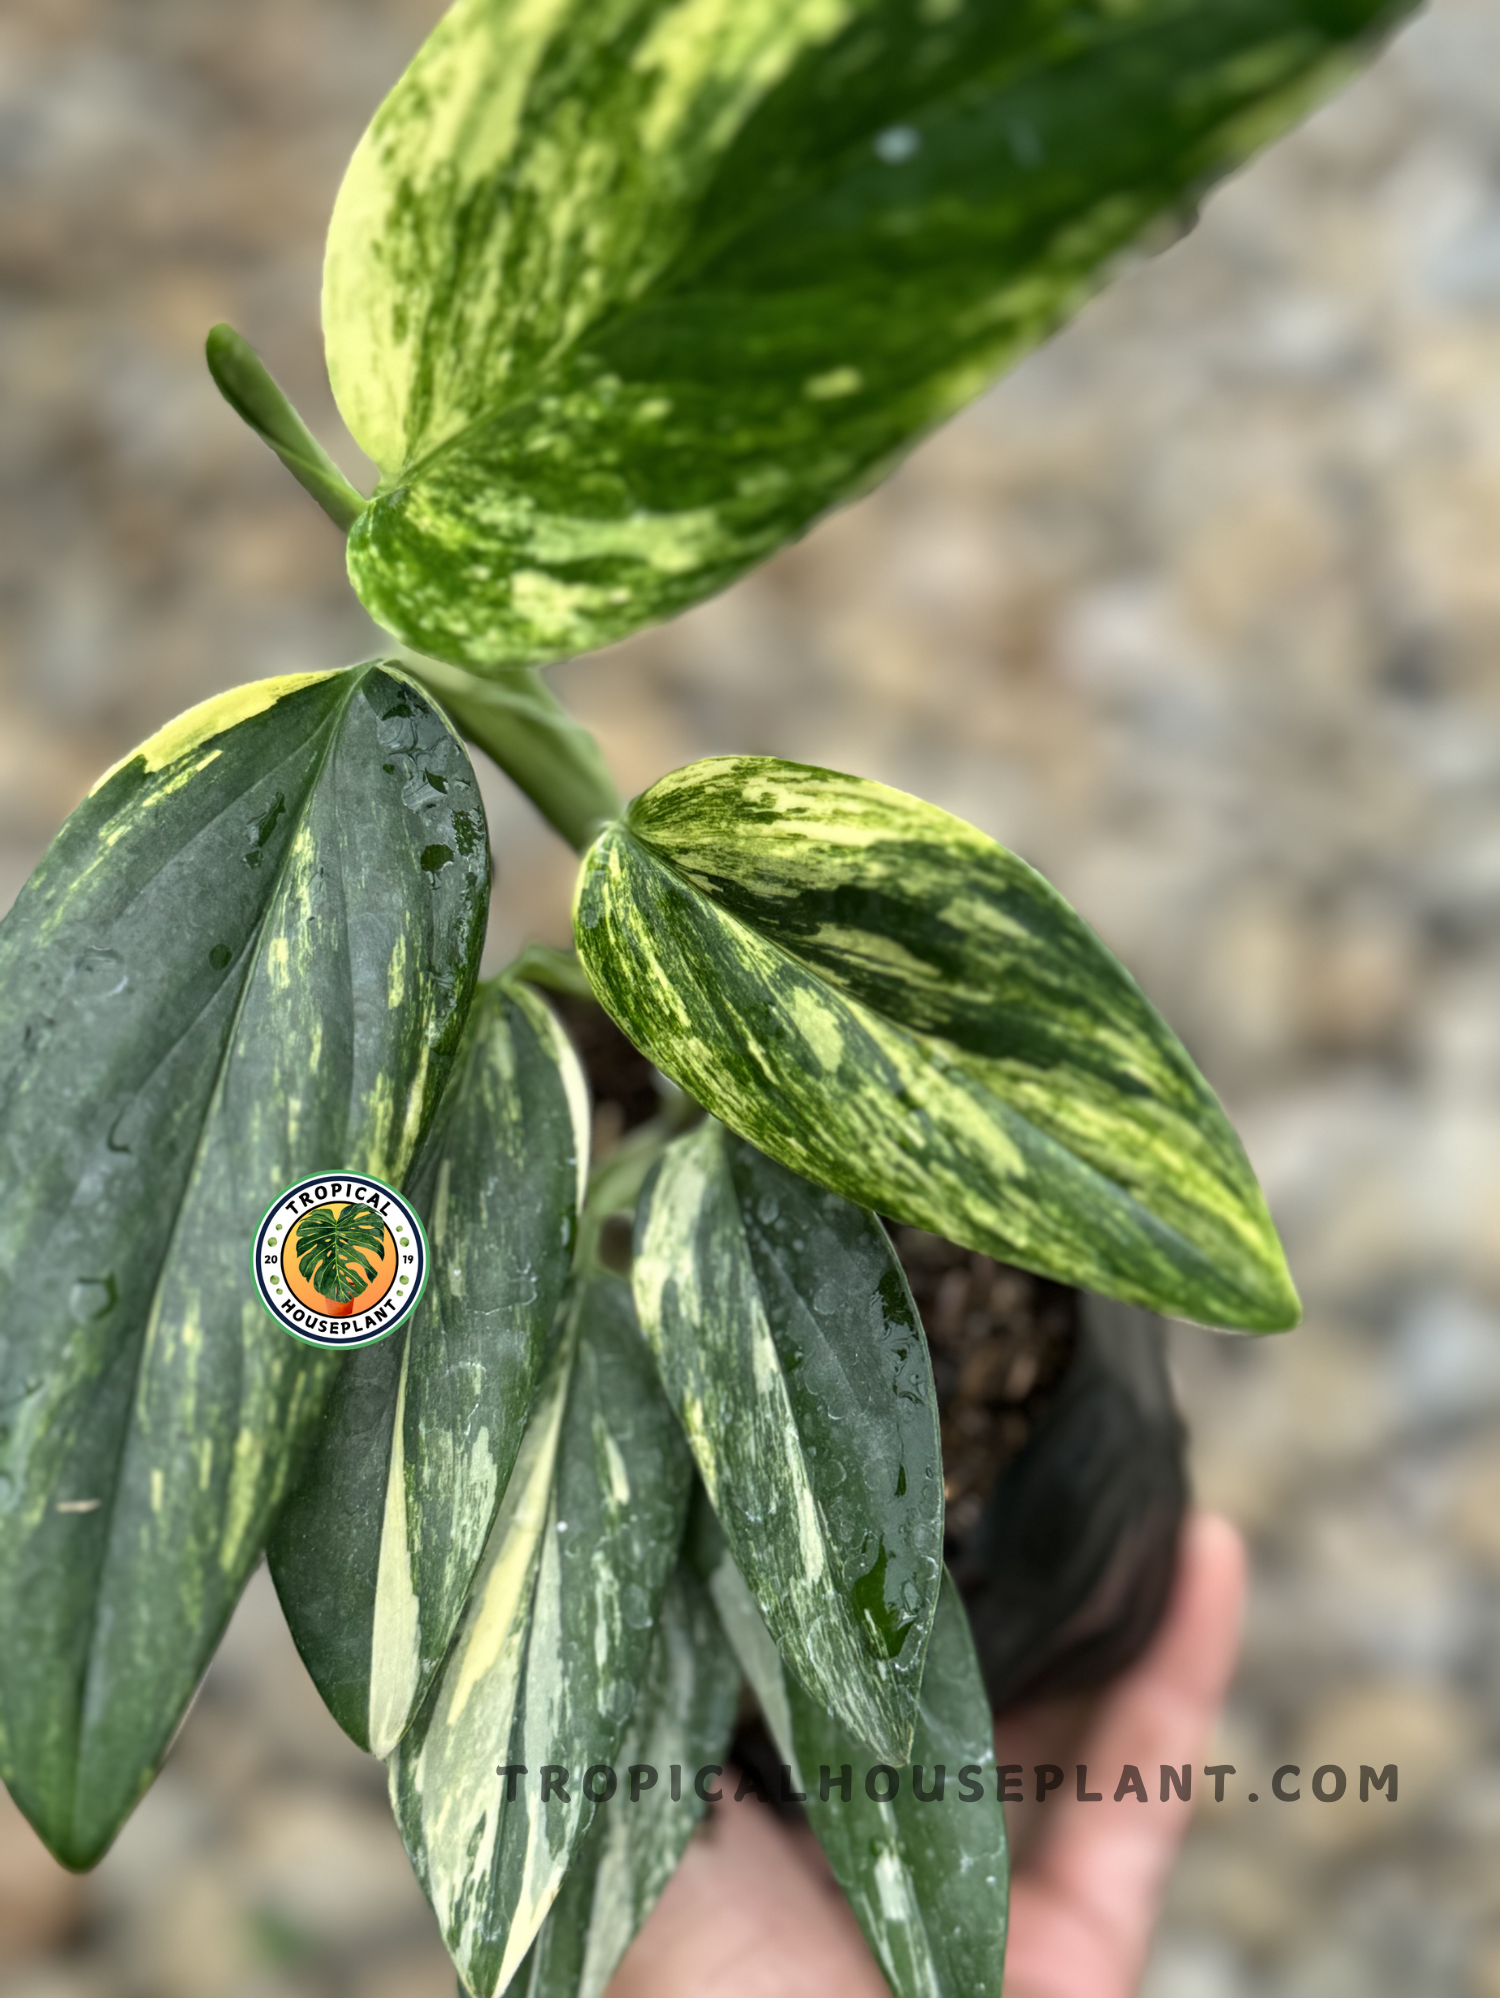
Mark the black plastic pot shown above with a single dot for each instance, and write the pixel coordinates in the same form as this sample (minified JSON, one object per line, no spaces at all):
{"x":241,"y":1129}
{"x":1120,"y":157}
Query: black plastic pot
{"x":1067,"y":1573}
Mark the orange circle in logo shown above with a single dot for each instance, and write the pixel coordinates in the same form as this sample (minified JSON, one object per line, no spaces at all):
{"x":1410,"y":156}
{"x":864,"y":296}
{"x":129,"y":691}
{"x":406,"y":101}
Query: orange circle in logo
{"x":385,"y":1267}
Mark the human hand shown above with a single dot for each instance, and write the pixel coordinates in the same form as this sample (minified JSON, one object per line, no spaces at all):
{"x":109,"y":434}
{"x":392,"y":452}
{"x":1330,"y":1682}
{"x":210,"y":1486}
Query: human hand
{"x":754,"y":1909}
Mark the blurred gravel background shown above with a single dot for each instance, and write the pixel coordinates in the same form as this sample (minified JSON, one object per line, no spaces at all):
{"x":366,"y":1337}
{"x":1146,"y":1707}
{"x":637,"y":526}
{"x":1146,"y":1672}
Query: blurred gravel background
{"x":1200,"y":611}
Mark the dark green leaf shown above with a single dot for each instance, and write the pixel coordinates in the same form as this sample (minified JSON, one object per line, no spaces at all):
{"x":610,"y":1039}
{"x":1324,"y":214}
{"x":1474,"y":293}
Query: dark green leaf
{"x":553,"y":1646}
{"x":683,"y":1719}
{"x":229,"y":971}
{"x":927,"y":1877}
{"x":375,"y":1552}
{"x":792,"y":1352}
{"x":621,"y":294}
{"x":882,"y":998}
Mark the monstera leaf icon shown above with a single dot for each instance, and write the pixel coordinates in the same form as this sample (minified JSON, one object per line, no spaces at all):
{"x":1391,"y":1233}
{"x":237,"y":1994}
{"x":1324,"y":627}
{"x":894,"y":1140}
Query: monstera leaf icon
{"x":332,"y":1247}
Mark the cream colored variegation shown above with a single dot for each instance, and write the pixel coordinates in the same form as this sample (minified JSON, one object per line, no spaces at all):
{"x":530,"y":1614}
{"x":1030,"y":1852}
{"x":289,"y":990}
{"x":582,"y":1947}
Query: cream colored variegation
{"x":205,"y":720}
{"x":927,"y":1881}
{"x":789,"y":1347}
{"x":682,"y":1722}
{"x":177,"y":1045}
{"x":395,"y":1634}
{"x":449,"y":1784}
{"x":621,"y":294}
{"x":884,"y":999}
{"x":428,"y":333}
{"x":544,"y":1668}
{"x":570,"y":1070}
{"x":376,"y":1557}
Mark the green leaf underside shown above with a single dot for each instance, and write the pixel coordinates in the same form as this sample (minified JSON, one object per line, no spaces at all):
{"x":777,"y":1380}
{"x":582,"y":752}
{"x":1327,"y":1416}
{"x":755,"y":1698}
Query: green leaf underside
{"x":927,"y":1878}
{"x":375,"y":1551}
{"x":684,"y":1716}
{"x":621,"y":294}
{"x":232,"y":968}
{"x":793,"y":1355}
{"x":554,"y":1645}
{"x":334,"y":1250}
{"x":884,"y":999}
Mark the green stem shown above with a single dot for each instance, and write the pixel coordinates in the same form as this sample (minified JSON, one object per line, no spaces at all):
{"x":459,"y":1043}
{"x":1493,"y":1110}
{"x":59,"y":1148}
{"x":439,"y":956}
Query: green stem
{"x":513,"y":714}
{"x":616,"y":1182}
{"x":520,"y":722}
{"x":247,"y":385}
{"x":558,"y":971}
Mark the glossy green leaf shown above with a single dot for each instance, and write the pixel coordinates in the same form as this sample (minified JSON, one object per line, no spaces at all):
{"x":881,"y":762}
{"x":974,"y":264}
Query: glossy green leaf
{"x":878,"y":995}
{"x":621,"y":294}
{"x":926,"y":1873}
{"x":247,"y":956}
{"x":791,"y":1350}
{"x":683,"y":1720}
{"x":928,"y":1878}
{"x":375,"y":1552}
{"x":554,"y":1645}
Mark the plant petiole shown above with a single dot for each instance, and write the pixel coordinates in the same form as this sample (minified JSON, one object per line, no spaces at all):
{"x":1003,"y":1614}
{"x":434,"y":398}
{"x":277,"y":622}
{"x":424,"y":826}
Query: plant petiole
{"x":252,"y":392}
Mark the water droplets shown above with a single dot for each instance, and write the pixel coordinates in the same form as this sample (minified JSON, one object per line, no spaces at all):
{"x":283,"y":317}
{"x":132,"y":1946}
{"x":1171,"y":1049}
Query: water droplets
{"x":100,"y":972}
{"x":259,"y":831}
{"x":397,"y":731}
{"x":419,"y":794}
{"x":89,"y":1299}
{"x":897,"y":143}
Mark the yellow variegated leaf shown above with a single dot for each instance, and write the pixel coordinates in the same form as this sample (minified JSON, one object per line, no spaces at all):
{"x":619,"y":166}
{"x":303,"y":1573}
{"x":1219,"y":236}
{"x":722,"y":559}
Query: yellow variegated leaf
{"x":545,"y":1668}
{"x":621,"y":294}
{"x":791,"y":1350}
{"x":927,"y":1873}
{"x":375,"y":1552}
{"x":684,"y":1716}
{"x":247,"y":957}
{"x":885,"y":1000}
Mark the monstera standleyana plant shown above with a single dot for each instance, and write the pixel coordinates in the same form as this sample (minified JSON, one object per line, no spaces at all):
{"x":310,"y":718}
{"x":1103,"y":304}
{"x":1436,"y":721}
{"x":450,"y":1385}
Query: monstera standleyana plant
{"x":619,"y":297}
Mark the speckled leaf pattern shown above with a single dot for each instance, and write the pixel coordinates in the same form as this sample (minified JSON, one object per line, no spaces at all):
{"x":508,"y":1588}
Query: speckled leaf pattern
{"x":890,"y":1003}
{"x":928,"y":1876}
{"x":555,"y":1643}
{"x":621,"y":294}
{"x":247,"y":957}
{"x":791,"y":1350}
{"x":376,"y":1549}
{"x":684,"y":1717}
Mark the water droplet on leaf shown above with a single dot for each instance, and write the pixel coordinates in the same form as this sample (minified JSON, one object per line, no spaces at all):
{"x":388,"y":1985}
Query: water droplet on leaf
{"x":92,"y":1298}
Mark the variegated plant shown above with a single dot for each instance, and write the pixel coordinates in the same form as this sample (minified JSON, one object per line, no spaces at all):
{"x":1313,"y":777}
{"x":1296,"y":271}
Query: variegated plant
{"x":620,"y":296}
